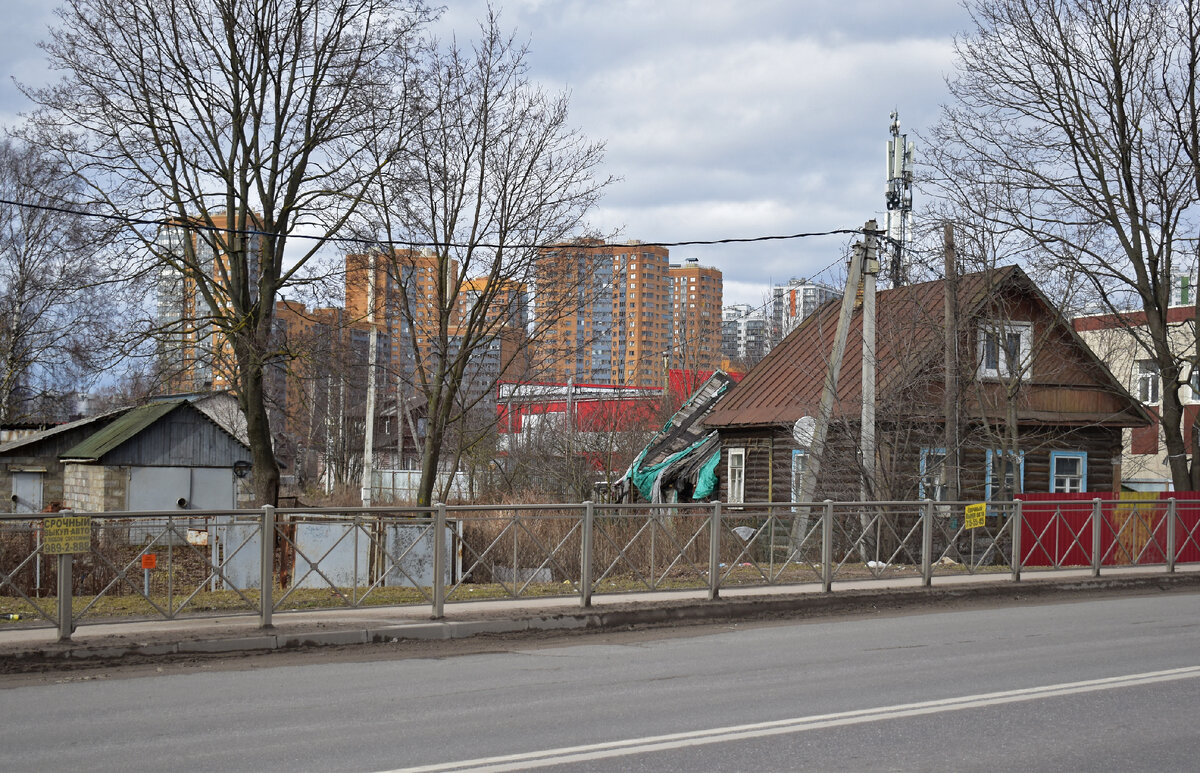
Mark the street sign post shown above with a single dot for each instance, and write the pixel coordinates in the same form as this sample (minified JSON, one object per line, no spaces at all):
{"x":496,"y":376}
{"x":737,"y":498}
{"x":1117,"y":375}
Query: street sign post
{"x":149,"y":561}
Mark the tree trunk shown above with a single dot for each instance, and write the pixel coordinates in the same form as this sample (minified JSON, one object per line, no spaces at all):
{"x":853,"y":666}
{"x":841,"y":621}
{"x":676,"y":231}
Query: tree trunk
{"x":258,"y":426}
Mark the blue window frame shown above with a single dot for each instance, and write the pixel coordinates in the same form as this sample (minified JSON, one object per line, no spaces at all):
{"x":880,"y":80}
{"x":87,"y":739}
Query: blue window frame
{"x":1068,"y":471}
{"x":932,"y":484}
{"x":799,"y":465}
{"x":1005,"y":473}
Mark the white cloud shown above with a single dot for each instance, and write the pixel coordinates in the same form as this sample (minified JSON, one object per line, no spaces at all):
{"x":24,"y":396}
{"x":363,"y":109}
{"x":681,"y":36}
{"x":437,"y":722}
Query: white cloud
{"x":727,"y":118}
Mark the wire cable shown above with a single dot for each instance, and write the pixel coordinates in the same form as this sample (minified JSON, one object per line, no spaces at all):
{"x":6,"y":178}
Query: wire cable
{"x":193,"y":226}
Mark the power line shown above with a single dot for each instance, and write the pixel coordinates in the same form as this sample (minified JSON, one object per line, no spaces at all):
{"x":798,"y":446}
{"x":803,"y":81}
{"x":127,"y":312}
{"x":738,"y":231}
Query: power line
{"x":193,"y":226}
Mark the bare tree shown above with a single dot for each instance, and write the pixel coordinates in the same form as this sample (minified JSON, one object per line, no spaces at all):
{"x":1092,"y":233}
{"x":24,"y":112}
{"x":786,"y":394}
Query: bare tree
{"x":1059,"y":111}
{"x":237,"y":123}
{"x":492,"y":172}
{"x":56,"y":297}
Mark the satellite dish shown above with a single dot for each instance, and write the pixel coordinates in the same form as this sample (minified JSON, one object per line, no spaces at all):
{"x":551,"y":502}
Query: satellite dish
{"x":802,"y":431}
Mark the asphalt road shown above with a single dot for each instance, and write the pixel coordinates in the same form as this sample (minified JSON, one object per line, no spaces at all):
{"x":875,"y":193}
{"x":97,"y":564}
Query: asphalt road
{"x":1109,"y":684}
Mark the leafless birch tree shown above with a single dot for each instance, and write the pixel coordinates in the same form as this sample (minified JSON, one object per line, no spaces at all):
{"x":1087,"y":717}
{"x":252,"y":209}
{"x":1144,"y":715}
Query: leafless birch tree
{"x":56,"y":296}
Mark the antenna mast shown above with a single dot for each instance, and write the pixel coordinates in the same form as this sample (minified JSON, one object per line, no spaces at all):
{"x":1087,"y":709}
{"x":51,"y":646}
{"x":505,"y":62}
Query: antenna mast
{"x":900,"y":154}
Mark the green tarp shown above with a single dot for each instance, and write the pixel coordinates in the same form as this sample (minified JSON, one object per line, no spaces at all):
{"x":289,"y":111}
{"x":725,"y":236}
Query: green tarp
{"x":644,"y":479}
{"x":706,"y":484}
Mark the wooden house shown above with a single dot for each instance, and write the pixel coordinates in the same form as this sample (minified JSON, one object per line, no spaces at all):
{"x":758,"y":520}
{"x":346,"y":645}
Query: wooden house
{"x":1037,"y":410}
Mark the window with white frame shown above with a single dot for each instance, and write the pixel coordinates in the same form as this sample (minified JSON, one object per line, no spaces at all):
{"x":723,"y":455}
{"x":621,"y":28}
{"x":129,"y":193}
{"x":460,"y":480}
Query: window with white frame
{"x":1005,"y":475}
{"x":737,"y":475}
{"x":799,"y":465}
{"x":1068,"y":471}
{"x":933,"y":474}
{"x":1005,"y":349}
{"x":1147,"y":381}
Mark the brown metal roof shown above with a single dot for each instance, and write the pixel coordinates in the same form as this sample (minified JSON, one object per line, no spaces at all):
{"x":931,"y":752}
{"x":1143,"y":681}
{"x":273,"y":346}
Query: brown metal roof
{"x":787,"y":383}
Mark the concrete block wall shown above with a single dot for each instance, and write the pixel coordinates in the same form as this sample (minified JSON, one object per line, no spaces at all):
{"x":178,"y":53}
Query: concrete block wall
{"x":93,"y":488}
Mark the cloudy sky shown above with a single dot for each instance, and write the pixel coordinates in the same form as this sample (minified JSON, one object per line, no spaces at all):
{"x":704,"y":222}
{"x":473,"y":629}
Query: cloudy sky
{"x":722,"y":118}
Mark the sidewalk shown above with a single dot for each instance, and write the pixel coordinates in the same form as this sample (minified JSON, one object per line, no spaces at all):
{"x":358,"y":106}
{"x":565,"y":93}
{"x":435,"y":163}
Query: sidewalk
{"x":232,"y":634}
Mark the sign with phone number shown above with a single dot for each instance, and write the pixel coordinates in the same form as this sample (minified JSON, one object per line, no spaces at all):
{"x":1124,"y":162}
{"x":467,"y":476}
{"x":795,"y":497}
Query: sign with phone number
{"x":67,"y":534}
{"x":975,"y":515}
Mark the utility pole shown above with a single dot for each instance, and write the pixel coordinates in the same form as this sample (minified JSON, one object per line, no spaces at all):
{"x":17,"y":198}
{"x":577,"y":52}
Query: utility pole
{"x":867,"y":424}
{"x":950,"y":463}
{"x":900,"y":155}
{"x":369,"y":413}
{"x":812,"y":470}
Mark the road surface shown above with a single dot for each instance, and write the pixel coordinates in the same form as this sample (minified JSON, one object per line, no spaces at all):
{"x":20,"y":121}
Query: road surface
{"x":1109,"y":684}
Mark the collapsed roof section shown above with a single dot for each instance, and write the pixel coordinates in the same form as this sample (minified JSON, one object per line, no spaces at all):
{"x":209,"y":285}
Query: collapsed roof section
{"x":682,"y":455}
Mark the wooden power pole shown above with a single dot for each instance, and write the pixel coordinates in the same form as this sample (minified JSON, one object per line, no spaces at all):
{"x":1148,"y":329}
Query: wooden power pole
{"x":950,"y":469}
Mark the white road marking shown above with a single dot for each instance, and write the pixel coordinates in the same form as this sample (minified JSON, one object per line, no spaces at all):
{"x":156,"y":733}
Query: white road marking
{"x":599,"y":751}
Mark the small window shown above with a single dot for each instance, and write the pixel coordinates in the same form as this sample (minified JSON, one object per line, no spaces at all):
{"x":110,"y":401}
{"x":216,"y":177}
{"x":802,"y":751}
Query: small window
{"x":1004,"y":349}
{"x":933,"y":474}
{"x":1005,"y":475}
{"x":799,"y":466}
{"x":737,"y":475}
{"x":1068,"y":472}
{"x":1147,"y":381}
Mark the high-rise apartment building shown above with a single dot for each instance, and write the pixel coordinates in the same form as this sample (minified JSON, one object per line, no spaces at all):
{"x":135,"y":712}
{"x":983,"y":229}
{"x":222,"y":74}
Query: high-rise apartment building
{"x":621,"y":314}
{"x":696,"y":319}
{"x":745,"y":334}
{"x":794,"y":301}
{"x":408,"y":290}
{"x":411,"y":287}
{"x":194,"y":354}
{"x":573,"y":314}
{"x":642,"y":314}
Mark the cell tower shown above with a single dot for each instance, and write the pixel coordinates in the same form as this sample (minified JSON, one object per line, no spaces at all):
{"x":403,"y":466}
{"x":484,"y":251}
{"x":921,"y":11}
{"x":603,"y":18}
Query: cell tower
{"x":900,"y":153}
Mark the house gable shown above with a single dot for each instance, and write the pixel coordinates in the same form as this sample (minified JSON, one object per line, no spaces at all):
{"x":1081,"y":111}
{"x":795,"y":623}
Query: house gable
{"x":1069,"y":403}
{"x":1069,"y":384}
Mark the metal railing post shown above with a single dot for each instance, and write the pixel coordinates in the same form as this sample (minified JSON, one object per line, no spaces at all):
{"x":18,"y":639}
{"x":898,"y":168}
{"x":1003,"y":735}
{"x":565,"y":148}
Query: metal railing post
{"x":1096,"y":518}
{"x":439,"y":543}
{"x":714,"y":553}
{"x":65,"y":613}
{"x":827,"y":547}
{"x":585,"y":555}
{"x":927,"y":543}
{"x":266,"y":579}
{"x":1171,"y":534}
{"x":1016,"y":543}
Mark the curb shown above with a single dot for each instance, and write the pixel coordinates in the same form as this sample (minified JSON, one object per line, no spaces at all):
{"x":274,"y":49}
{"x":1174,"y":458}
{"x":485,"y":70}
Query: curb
{"x":644,"y":615}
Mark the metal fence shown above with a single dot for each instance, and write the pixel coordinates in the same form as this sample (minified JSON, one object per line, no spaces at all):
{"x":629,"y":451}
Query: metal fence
{"x":165,"y":565}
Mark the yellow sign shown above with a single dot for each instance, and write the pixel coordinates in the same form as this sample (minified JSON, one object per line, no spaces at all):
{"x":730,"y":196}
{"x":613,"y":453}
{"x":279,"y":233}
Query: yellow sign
{"x":67,"y":534}
{"x":975,"y":515}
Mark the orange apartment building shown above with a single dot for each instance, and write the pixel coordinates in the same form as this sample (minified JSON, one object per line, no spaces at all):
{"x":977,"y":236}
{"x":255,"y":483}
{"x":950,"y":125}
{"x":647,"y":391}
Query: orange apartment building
{"x":697,"y":293}
{"x":416,"y":269}
{"x":573,"y":314}
{"x":506,"y":315}
{"x":613,"y":314}
{"x":642,"y":314}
